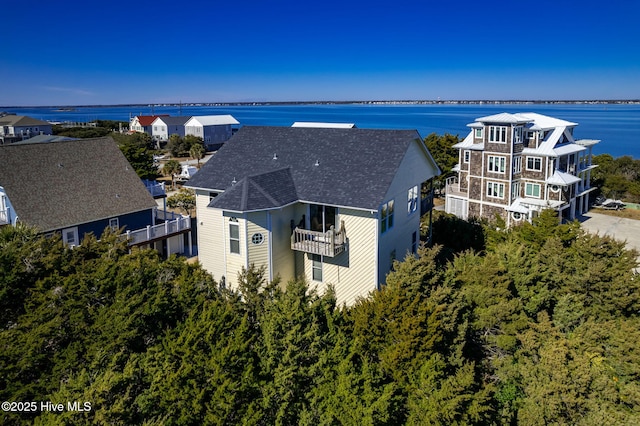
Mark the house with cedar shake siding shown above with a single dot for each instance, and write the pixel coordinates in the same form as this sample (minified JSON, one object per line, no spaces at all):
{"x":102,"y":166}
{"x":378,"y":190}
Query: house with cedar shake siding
{"x":334,"y":205}
{"x":516,"y":165}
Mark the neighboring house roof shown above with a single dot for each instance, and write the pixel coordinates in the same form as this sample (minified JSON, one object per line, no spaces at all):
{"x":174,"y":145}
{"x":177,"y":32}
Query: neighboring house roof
{"x":58,"y":185}
{"x":146,"y":120}
{"x":21,"y":121}
{"x":45,"y":139}
{"x":214,"y":120}
{"x":340,"y":167}
{"x":324,"y":125}
{"x":562,"y":179}
{"x":173,"y":121}
{"x":542,"y":121}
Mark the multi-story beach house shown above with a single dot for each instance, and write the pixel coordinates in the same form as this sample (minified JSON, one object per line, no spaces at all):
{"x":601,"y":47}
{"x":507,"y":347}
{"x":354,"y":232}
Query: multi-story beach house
{"x":143,"y":123}
{"x":163,"y":127}
{"x":516,"y":165}
{"x":20,"y":127}
{"x":213,"y":129}
{"x":84,"y":186}
{"x":334,"y":205}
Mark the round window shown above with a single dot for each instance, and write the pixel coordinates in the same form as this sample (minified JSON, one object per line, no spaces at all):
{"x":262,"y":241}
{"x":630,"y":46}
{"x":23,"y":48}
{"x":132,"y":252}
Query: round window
{"x":517,"y":215}
{"x":257,"y":238}
{"x":555,"y":188}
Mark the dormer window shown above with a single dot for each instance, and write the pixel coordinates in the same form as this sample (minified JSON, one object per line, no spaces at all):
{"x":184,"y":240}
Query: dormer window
{"x":498,"y":134}
{"x":479,"y":133}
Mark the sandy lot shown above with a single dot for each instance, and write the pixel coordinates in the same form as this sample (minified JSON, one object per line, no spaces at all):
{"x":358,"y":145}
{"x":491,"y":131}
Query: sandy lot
{"x":617,"y":227}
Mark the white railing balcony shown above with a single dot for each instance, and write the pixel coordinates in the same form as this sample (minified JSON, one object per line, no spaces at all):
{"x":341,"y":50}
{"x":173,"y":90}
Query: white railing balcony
{"x":454,"y":189}
{"x":330,"y":243}
{"x":157,"y":232}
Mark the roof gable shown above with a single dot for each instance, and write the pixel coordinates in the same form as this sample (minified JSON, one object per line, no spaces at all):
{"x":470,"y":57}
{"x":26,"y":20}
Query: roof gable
{"x":61,"y":184}
{"x":147,"y":120}
{"x":341,"y":167}
{"x":212,"y":120}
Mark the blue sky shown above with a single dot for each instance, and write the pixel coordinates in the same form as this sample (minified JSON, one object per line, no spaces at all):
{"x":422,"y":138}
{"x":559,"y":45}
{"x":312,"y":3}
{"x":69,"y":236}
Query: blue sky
{"x":119,"y":52}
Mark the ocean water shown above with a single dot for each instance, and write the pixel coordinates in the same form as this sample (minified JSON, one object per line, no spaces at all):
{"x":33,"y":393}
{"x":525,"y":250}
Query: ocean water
{"x":616,"y":125}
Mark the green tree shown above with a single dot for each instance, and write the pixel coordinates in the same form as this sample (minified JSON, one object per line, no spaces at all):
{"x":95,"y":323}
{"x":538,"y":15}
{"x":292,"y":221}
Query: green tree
{"x":172,"y":168}
{"x":197,"y":151}
{"x":185,"y":200}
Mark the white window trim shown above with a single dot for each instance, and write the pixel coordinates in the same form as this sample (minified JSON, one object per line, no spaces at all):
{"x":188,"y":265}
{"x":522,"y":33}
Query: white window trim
{"x":412,"y":200}
{"x":65,"y":239}
{"x":388,"y":224}
{"x":498,"y":187}
{"x":234,"y":222}
{"x":517,"y":164}
{"x":498,"y":131}
{"x":532,"y":185}
{"x":316,"y":265}
{"x":501,"y":162}
{"x":114,"y":224}
{"x":533,"y":169}
{"x":479,"y":129}
{"x":466,"y":156}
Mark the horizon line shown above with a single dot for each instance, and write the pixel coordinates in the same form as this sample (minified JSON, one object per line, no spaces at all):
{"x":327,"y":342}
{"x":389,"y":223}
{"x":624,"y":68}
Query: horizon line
{"x":397,"y":101}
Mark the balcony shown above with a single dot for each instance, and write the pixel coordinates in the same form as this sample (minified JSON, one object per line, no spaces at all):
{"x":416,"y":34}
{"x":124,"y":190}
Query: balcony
{"x":5,"y":217}
{"x":330,"y":243}
{"x":167,"y":229}
{"x":156,"y":189}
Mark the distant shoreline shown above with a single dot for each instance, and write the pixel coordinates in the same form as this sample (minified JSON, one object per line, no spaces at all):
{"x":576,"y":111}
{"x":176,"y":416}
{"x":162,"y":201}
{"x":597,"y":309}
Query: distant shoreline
{"x":378,"y":102}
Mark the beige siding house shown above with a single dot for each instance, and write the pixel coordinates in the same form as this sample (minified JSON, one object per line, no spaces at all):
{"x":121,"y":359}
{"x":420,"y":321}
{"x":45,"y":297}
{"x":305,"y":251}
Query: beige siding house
{"x":334,"y":205}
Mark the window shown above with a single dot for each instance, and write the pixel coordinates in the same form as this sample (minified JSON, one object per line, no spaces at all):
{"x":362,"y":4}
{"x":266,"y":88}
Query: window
{"x":257,"y":238}
{"x":234,"y":236}
{"x":70,"y":236}
{"x":414,"y":242}
{"x":479,"y":132}
{"x":534,"y":163}
{"x":517,"y":164}
{"x":114,"y":224}
{"x":467,"y":156}
{"x":496,"y":164}
{"x":316,"y":267}
{"x":386,"y":216}
{"x":532,"y":190}
{"x":515,"y":190}
{"x":212,"y":195}
{"x":495,"y":190}
{"x":517,"y":135}
{"x":516,"y":215}
{"x":498,"y":134}
{"x":554,"y":188}
{"x":412,"y":199}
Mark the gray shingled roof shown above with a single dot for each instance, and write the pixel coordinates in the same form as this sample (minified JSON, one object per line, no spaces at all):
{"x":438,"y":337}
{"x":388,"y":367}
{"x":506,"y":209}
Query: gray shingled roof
{"x":61,"y":184}
{"x":341,"y":167}
{"x":261,"y":192}
{"x":22,"y":120}
{"x":175,"y":121}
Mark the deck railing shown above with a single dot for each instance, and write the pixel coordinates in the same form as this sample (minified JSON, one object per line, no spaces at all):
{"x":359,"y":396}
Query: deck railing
{"x":156,"y":189}
{"x":5,"y":216}
{"x":330,"y":243}
{"x":150,"y":233}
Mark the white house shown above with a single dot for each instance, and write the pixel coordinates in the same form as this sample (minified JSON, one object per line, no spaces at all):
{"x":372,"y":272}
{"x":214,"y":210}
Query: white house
{"x":164,"y":126}
{"x":20,"y":127}
{"x":336,"y":206}
{"x":213,"y":129}
{"x":516,"y":165}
